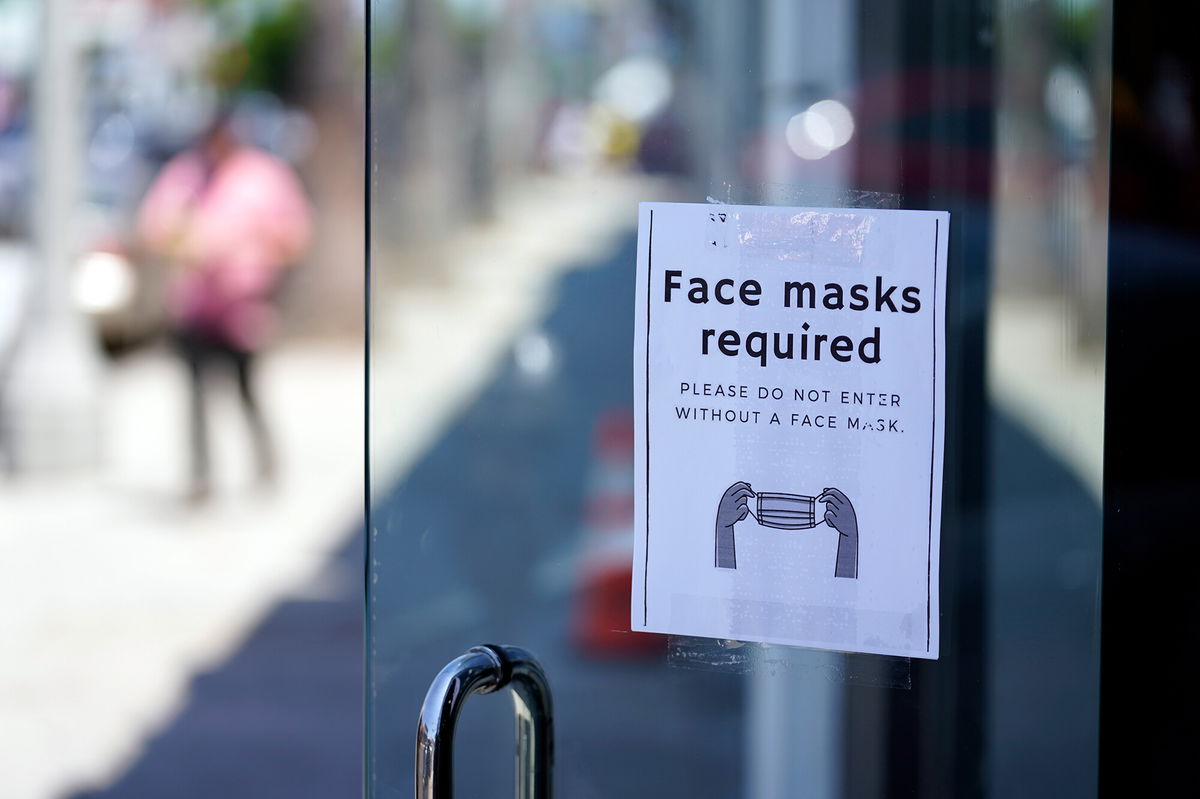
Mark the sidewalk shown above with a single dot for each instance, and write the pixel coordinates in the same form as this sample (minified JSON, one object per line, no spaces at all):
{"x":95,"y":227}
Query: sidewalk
{"x":117,"y":592}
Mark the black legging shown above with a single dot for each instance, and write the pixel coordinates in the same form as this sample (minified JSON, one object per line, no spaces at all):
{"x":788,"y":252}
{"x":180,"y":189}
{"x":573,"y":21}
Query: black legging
{"x":200,"y":352}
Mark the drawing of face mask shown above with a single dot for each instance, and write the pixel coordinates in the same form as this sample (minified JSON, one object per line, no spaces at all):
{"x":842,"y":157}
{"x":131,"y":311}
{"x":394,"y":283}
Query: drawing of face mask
{"x":786,"y":511}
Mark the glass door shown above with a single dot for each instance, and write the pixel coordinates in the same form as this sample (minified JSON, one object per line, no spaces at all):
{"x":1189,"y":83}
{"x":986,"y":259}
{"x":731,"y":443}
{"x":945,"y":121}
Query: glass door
{"x":510,"y":145}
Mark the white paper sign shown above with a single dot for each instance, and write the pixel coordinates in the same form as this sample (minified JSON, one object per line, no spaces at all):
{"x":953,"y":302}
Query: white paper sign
{"x":789,"y":392}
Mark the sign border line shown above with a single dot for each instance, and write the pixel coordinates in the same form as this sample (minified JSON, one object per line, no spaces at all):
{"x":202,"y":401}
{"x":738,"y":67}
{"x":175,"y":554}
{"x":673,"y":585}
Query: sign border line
{"x":646,"y":543}
{"x":933,"y":428}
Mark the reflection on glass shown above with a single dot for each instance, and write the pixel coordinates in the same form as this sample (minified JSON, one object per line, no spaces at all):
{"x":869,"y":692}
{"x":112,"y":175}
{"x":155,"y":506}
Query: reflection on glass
{"x":1046,"y":379}
{"x":510,"y":145}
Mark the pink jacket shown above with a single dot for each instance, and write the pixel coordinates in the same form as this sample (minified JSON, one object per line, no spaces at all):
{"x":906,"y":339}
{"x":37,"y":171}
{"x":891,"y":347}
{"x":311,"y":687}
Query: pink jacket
{"x":230,"y":236}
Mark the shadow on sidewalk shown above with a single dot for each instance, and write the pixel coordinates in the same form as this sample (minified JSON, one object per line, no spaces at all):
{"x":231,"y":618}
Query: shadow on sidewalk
{"x":281,"y":718}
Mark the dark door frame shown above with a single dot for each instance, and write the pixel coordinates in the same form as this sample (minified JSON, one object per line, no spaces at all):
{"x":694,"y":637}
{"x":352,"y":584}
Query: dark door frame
{"x":1148,"y":722}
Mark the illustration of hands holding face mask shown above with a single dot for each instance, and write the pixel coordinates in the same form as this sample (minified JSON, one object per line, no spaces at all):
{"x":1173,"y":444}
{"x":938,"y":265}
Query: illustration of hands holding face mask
{"x":787,"y":512}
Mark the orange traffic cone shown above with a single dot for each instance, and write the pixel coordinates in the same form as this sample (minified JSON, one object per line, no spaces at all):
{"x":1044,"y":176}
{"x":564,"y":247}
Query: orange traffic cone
{"x":600,"y":621}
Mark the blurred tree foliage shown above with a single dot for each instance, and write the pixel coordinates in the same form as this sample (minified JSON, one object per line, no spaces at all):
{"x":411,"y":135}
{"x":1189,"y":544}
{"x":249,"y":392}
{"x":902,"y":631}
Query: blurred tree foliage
{"x":262,"y":43}
{"x":1076,"y":28}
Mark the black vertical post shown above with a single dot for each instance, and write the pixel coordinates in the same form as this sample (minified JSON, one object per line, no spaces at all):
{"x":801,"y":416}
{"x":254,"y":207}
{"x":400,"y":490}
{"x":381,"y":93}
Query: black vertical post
{"x":1150,"y":599}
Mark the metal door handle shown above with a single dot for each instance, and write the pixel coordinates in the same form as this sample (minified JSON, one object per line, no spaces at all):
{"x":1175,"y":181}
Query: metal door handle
{"x":482,"y":670}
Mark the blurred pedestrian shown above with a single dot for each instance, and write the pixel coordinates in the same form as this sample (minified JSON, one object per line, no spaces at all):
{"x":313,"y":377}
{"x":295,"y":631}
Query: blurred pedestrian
{"x":229,"y":219}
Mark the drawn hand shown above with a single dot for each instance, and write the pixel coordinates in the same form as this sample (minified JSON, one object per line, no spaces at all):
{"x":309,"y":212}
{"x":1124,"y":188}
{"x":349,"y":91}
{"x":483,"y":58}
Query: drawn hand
{"x":840,"y":515}
{"x":734,"y":506}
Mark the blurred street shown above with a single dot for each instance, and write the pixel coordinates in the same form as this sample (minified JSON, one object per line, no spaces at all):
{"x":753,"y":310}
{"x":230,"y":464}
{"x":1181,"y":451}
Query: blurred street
{"x":507,"y":561}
